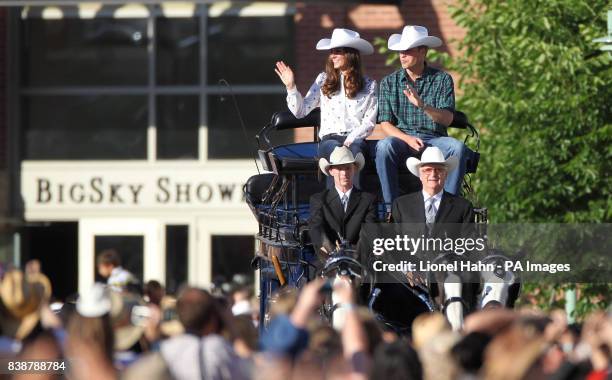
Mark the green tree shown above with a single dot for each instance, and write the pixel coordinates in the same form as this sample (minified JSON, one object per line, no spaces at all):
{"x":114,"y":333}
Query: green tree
{"x":540,"y":90}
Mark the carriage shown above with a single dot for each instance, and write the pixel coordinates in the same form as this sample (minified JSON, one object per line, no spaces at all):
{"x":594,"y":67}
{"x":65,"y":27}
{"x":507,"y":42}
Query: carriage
{"x":279,"y":200}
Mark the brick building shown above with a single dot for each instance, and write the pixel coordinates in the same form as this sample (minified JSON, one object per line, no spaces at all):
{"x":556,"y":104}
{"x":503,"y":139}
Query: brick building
{"x":118,"y":127}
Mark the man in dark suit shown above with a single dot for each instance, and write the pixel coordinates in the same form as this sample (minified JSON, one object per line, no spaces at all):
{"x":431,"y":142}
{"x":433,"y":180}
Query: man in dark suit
{"x":432,"y":204}
{"x":442,"y":214}
{"x":336,"y":214}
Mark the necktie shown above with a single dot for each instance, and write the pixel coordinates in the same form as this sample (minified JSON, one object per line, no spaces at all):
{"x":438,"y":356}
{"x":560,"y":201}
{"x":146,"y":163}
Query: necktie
{"x":430,"y":211}
{"x":344,"y":201}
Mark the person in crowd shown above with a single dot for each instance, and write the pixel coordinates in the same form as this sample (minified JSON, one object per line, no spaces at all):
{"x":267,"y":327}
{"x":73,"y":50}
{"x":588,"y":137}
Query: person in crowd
{"x":415,"y":106}
{"x":44,"y":347}
{"x":90,"y":325}
{"x":347,"y":98}
{"x":291,"y":336}
{"x":525,"y":346}
{"x":396,"y":360}
{"x":244,"y":336}
{"x":201,"y":352}
{"x":109,"y":267}
{"x":469,"y":352}
{"x":154,"y":292}
{"x":241,"y":300}
{"x":336,"y":214}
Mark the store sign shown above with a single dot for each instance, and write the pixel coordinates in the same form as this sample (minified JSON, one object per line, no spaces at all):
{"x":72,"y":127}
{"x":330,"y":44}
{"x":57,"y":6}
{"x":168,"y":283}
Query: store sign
{"x":60,"y":186}
{"x":166,"y":191}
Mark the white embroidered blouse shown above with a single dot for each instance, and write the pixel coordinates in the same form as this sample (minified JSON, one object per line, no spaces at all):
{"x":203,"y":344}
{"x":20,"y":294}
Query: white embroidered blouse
{"x":355,"y":117}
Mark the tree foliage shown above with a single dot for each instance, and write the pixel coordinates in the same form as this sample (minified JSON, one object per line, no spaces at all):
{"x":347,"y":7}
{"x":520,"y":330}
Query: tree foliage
{"x":539,"y":90}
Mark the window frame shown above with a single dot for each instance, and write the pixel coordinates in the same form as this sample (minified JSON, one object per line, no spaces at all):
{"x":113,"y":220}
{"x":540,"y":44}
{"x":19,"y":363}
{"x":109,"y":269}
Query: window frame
{"x":201,"y":12}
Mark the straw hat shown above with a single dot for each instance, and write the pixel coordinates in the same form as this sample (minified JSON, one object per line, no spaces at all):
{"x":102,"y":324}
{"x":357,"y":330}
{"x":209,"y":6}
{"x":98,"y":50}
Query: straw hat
{"x":341,"y":156}
{"x":22,"y":296}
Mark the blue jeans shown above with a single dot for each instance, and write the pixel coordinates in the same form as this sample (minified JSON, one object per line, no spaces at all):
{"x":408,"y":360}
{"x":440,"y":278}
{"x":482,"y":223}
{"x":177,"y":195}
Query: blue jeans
{"x":330,"y":142}
{"x":392,"y":153}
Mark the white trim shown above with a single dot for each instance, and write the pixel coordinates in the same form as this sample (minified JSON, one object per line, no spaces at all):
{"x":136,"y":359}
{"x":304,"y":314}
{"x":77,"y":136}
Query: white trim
{"x":182,"y":9}
{"x":128,"y":165}
{"x":131,"y":11}
{"x":203,"y":144}
{"x":86,"y":11}
{"x":254,"y":9}
{"x":179,"y":9}
{"x":154,"y":263}
{"x":151,"y":144}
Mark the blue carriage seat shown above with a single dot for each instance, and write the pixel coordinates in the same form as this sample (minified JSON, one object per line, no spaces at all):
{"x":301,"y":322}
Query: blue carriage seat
{"x":301,"y":158}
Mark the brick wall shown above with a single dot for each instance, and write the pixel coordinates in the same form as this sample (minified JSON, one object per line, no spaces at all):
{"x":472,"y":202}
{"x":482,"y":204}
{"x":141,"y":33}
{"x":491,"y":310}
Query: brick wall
{"x":316,"y":21}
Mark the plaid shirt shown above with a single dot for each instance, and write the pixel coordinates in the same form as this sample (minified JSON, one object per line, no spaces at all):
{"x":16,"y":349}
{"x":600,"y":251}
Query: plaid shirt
{"x":436,"y":89}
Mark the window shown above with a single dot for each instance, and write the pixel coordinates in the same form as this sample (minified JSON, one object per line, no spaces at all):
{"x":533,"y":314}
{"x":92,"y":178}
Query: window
{"x":85,"y":127}
{"x":91,"y":88}
{"x":76,"y":52}
{"x":129,"y":248}
{"x":178,"y":50}
{"x":231,"y":255}
{"x":244,"y":50}
{"x":177,"y":126}
{"x":226,"y":138}
{"x":177,"y":243}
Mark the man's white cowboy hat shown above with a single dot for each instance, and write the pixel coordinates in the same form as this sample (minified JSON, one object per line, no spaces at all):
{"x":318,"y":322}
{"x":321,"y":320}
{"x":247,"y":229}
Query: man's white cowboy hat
{"x":412,"y":36}
{"x":345,"y":38}
{"x":431,"y":155}
{"x":341,"y":156}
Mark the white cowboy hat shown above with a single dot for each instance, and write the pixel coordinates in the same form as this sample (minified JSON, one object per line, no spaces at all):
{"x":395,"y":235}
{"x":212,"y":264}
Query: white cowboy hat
{"x":94,"y":302}
{"x":431,"y":155}
{"x":412,"y":36}
{"x":341,"y":156}
{"x":345,"y":38}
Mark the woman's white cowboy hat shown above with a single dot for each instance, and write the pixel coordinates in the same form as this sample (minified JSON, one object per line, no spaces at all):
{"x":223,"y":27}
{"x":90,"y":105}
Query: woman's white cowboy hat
{"x":341,"y":156}
{"x":431,"y":155}
{"x":345,"y":38}
{"x":412,"y":36}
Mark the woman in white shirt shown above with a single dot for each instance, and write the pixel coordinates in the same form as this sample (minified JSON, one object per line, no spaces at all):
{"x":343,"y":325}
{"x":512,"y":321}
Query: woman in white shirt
{"x":347,"y":98}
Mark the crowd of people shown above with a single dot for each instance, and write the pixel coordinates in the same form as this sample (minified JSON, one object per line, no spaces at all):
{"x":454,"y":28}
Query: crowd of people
{"x":123,"y":329}
{"x":110,"y":332}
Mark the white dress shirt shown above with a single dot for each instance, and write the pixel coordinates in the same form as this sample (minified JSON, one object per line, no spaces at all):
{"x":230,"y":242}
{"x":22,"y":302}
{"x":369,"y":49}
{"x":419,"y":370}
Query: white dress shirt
{"x":120,"y":278}
{"x":437,"y":199}
{"x":348,"y":195}
{"x":355,"y":118}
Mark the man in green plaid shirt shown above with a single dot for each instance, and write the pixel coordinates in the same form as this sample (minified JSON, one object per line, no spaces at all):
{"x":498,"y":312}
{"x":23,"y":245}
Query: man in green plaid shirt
{"x":415,"y":105}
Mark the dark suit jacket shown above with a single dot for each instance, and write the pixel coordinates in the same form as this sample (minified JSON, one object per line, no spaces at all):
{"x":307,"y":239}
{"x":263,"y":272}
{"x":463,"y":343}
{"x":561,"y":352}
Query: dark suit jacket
{"x":328,"y":220}
{"x":454,"y":210}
